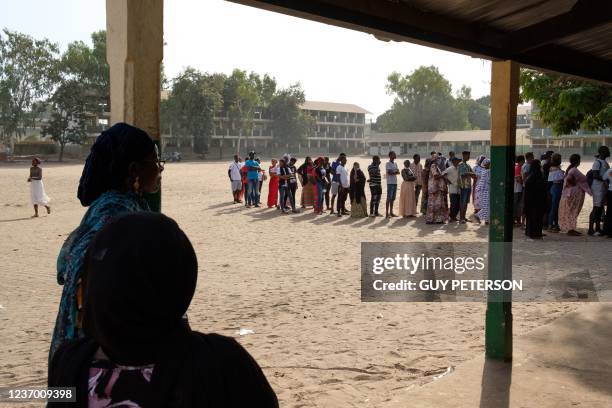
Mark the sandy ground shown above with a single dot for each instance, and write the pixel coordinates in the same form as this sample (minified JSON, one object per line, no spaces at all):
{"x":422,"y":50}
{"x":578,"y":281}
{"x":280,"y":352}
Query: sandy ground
{"x":292,"y":279}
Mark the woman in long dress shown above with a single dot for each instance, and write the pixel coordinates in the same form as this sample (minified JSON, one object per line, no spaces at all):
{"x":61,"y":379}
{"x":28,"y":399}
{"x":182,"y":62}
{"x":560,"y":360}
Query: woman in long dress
{"x":307,"y":198}
{"x":122,"y":165}
{"x":478,"y":169}
{"x":437,"y":209}
{"x":273,"y":185}
{"x":407,"y":203}
{"x":535,"y":201}
{"x":359,"y":205}
{"x":483,"y":186}
{"x":37,"y":188}
{"x":572,"y":197}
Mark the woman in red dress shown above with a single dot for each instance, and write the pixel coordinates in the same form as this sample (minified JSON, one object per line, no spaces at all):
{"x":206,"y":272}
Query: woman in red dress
{"x":273,"y":186}
{"x":245,"y":180}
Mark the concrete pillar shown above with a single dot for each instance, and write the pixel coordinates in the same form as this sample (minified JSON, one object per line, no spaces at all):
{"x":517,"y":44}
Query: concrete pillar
{"x":504,"y":101}
{"x":134,"y":50}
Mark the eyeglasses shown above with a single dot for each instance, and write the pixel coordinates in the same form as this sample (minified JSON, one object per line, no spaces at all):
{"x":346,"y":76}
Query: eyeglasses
{"x":159,"y":163}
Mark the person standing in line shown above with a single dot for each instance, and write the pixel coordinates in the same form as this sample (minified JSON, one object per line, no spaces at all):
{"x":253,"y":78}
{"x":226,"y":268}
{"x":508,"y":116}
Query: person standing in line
{"x":529,"y":158}
{"x":546,"y":164}
{"x":235,"y":177}
{"x":518,"y":191}
{"x":575,"y":186}
{"x":535,"y":201}
{"x":452,"y":175}
{"x":556,"y":177}
{"x":478,"y":170}
{"x":598,"y":187}
{"x":608,"y":219}
{"x":253,"y":171}
{"x":417,"y":170}
{"x":343,"y":188}
{"x":273,"y":185}
{"x":245,"y":182}
{"x":359,"y":205}
{"x":425,"y":179}
{"x":319,"y":182}
{"x":328,"y":175}
{"x":37,"y":188}
{"x":307,"y":197}
{"x":437,"y":211}
{"x":407,"y":202}
{"x":484,"y":186}
{"x":261,"y":177}
{"x":391,"y":170}
{"x":375,"y":181}
{"x":449,"y":162}
{"x":284,"y":180}
{"x":292,"y":181}
{"x":466,"y":175}
{"x":441,"y":161}
{"x":335,"y":180}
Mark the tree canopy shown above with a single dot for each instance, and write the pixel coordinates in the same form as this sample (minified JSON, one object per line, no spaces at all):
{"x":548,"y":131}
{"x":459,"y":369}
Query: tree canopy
{"x":424,"y":103}
{"x":291,"y":125}
{"x":568,"y":104}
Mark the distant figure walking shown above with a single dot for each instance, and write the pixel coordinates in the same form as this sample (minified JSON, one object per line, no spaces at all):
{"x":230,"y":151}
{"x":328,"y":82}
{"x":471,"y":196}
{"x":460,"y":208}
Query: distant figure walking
{"x":37,"y":188}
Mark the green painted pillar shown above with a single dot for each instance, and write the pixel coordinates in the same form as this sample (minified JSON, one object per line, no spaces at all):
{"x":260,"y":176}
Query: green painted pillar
{"x":504,"y":100}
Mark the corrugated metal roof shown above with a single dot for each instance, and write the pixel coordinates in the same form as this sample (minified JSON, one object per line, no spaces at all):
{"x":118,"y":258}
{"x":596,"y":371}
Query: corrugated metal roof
{"x":333,"y":107}
{"x":437,"y":137}
{"x":571,"y":37}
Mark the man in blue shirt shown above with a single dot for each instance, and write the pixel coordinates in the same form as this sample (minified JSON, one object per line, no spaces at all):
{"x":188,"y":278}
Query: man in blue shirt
{"x":253,"y":170}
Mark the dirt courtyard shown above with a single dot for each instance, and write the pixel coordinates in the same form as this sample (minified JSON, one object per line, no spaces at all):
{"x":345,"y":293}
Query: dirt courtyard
{"x":294,"y":280}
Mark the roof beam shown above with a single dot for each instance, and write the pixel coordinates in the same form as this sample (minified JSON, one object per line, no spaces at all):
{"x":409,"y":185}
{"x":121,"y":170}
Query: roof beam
{"x":585,"y":15}
{"x":394,"y":20}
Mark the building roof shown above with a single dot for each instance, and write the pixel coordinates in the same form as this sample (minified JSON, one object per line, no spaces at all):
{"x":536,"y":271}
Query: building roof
{"x":566,"y":36}
{"x":436,"y":137}
{"x":333,"y":107}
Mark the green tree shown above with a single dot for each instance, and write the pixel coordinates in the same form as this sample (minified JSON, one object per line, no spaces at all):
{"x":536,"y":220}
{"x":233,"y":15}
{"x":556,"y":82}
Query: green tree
{"x":423,"y":102}
{"x":190,"y":109}
{"x":477,"y":113}
{"x":242,"y":95}
{"x":568,"y":104}
{"x":28,"y":74}
{"x":71,"y":105}
{"x":88,"y":65}
{"x":291,"y":125}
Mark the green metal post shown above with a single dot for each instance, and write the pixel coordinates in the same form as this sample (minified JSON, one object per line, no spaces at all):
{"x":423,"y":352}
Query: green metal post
{"x":504,"y":100}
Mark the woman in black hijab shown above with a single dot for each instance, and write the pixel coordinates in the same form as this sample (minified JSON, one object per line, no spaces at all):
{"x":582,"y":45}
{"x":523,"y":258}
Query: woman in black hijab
{"x":534,"y":201}
{"x":141,"y":273}
{"x":122,"y":165}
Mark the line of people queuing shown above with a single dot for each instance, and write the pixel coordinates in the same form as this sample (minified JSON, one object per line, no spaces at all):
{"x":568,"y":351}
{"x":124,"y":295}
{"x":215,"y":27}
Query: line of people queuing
{"x":545,"y":196}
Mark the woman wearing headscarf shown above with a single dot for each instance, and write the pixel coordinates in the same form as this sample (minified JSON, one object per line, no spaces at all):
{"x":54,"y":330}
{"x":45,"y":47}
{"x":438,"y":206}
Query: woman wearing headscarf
{"x":483,"y":185}
{"x":407,"y":203}
{"x":307,"y":198}
{"x":437,"y":208}
{"x":273,"y":185}
{"x":478,"y":169}
{"x":37,"y":188}
{"x":359,"y":205}
{"x":139,"y":351}
{"x":122,"y":165}
{"x":575,"y":185}
{"x":317,"y":177}
{"x":535,"y":201}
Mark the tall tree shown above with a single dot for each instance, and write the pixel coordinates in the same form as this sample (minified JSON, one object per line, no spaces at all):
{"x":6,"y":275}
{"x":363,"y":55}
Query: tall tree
{"x":71,"y":104}
{"x":191,"y":107}
{"x":423,"y":102}
{"x":477,"y":113}
{"x":291,"y":125}
{"x":241,"y":97}
{"x":28,"y":74}
{"x":88,"y":65}
{"x":568,"y":104}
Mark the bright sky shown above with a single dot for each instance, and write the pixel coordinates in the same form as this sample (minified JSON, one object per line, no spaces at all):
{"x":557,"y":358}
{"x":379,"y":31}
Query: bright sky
{"x":332,"y":64}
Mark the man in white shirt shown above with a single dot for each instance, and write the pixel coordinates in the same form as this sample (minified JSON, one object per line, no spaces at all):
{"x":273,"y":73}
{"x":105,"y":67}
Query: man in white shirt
{"x":392,"y":171}
{"x":344,"y":186}
{"x":235,"y":177}
{"x":452,"y":175}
